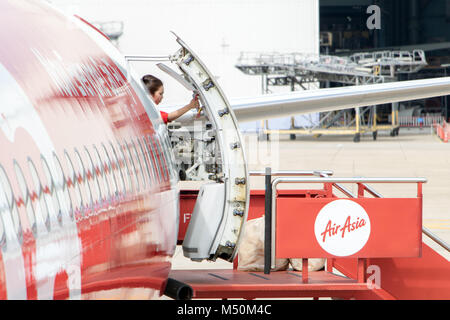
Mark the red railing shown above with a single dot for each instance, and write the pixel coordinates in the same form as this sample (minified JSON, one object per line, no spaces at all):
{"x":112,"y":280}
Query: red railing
{"x":392,"y":263}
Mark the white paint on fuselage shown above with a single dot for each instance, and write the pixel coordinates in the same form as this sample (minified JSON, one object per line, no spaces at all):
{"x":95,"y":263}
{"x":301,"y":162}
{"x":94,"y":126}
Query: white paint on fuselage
{"x":59,"y":248}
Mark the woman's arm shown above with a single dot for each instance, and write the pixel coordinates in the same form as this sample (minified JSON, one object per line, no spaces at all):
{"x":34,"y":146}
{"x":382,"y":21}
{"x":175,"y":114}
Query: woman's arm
{"x":178,"y":113}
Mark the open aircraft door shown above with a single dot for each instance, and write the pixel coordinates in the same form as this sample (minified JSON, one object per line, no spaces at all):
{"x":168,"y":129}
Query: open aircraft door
{"x":208,"y":147}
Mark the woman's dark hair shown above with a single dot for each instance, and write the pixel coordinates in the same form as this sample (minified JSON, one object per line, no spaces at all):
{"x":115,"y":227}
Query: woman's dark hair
{"x":152,"y":83}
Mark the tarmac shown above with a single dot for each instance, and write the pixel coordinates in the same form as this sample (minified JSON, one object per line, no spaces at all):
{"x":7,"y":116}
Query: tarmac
{"x":413,"y":153}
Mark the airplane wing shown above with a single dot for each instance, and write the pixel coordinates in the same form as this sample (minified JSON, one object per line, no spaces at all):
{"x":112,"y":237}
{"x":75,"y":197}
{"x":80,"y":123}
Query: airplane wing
{"x":322,"y":100}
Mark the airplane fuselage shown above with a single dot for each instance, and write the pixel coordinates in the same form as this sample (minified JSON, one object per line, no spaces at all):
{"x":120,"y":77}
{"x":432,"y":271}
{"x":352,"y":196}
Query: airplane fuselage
{"x":88,"y":198}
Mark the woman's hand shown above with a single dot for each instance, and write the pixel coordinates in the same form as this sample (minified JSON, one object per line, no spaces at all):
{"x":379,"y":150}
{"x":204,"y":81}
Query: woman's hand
{"x":194,"y":102}
{"x":178,"y":113}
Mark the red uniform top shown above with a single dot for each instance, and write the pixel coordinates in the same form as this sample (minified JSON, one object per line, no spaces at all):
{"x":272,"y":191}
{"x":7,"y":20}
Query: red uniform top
{"x":165,"y":116}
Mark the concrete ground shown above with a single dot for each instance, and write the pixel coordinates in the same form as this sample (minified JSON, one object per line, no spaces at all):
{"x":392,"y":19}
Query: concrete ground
{"x":414,"y":153}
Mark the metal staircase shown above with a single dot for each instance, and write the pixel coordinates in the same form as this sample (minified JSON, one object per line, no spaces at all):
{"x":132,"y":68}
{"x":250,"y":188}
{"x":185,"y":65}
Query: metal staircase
{"x":394,"y":263}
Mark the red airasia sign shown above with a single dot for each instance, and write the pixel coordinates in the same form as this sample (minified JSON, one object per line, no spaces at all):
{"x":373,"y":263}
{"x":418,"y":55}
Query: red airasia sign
{"x":363,"y":227}
{"x":348,"y":226}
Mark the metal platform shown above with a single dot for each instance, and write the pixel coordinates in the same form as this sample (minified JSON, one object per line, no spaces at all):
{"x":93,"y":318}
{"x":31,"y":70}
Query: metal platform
{"x":226,"y":284}
{"x":298,"y":69}
{"x":392,"y":262}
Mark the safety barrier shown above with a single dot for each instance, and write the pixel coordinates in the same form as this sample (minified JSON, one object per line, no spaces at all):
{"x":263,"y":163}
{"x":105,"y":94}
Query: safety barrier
{"x":421,"y":121}
{"x":303,"y":229}
{"x":442,"y":131}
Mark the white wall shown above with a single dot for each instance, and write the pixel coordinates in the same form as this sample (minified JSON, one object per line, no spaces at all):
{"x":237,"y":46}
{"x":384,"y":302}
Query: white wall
{"x":216,"y":30}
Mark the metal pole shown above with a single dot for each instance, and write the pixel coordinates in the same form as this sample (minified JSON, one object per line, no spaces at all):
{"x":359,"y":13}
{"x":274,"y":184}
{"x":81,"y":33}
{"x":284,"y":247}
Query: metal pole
{"x":268,"y":222}
{"x":446,"y":97}
{"x":292,"y":173}
{"x":436,"y":239}
{"x":146,"y":58}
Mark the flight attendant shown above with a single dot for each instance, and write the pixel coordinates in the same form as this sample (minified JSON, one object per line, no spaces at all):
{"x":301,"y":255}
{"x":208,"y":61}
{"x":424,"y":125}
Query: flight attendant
{"x":156,"y":89}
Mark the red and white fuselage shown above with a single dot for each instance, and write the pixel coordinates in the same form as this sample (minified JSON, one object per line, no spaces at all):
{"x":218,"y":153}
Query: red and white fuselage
{"x":88,"y":197}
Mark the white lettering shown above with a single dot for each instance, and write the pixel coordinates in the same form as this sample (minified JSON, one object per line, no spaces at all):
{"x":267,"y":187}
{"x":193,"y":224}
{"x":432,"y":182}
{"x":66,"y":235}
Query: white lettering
{"x":243,"y":309}
{"x":374,"y":21}
{"x":374,"y":281}
{"x":205,"y":311}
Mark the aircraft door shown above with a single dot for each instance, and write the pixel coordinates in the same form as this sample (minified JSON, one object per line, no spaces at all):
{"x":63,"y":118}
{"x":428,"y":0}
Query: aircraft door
{"x":218,"y":158}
